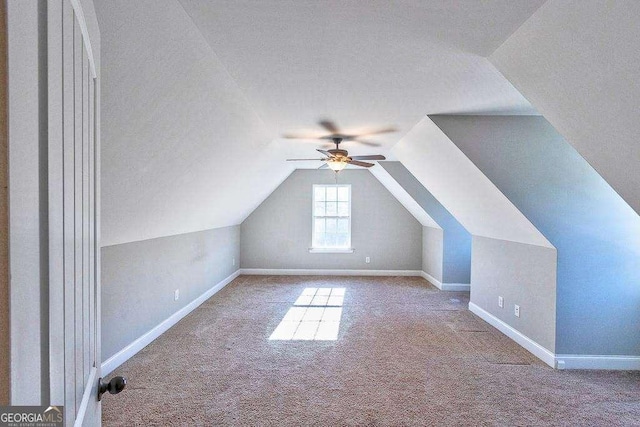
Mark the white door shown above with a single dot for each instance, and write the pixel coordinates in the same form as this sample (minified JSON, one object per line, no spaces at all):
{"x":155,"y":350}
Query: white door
{"x":73,"y":191}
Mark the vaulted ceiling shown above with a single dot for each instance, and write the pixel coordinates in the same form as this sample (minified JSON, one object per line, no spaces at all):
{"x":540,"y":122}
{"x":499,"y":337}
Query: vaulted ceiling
{"x":363,"y":64}
{"x":197,"y":95}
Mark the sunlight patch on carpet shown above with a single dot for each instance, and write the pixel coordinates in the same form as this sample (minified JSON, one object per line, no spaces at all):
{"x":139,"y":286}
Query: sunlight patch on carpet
{"x":315,"y":316}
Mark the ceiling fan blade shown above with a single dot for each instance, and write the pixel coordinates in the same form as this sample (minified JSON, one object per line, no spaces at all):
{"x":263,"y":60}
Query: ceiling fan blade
{"x":329,"y":125}
{"x":302,"y":160}
{"x":324,"y":166}
{"x":301,"y":136}
{"x":326,"y":153}
{"x":373,"y":157}
{"x":357,"y":163}
{"x":380,"y":131}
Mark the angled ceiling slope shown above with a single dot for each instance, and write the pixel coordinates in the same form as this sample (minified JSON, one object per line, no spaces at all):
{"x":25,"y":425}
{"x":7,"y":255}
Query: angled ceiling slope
{"x":462,"y":188}
{"x":578,"y":211}
{"x":456,"y":241}
{"x":578,"y":63}
{"x":403,"y":197}
{"x":182,"y":150}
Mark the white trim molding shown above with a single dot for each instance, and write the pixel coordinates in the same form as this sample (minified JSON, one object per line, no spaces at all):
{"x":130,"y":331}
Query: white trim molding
{"x":331,"y":250}
{"x":82,"y":22}
{"x":325,"y":272}
{"x":429,"y":278}
{"x":129,"y":351}
{"x":559,"y":361}
{"x":88,"y":394}
{"x":533,"y":347}
{"x":579,"y":361}
{"x":457,"y":287}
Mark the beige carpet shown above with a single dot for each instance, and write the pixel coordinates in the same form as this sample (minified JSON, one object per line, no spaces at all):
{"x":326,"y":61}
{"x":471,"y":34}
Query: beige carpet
{"x":406,"y":354}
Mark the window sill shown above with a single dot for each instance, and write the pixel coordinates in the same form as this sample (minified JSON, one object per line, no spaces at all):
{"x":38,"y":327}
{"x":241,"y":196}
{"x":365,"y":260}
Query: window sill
{"x":331,"y":250}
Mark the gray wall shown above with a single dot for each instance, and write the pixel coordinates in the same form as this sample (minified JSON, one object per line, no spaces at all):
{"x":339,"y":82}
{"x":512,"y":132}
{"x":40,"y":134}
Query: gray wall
{"x":432,"y":251}
{"x":522,"y":274}
{"x":577,"y":62}
{"x":596,"y":233}
{"x":278,"y":233}
{"x":456,"y":244}
{"x":139,"y":280}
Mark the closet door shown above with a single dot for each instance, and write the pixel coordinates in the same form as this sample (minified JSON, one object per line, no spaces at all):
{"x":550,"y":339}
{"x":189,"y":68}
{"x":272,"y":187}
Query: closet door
{"x":74,"y":291}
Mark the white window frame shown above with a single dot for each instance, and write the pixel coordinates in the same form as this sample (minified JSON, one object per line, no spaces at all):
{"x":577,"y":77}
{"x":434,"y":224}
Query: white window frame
{"x":314,"y":249}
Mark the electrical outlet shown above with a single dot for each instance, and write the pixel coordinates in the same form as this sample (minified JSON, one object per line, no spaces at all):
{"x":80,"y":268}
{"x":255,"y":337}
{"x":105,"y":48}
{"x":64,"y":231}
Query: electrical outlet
{"x":367,"y":260}
{"x":516,"y":310}
{"x":500,"y":302}
{"x":176,"y":295}
{"x":234,"y":261}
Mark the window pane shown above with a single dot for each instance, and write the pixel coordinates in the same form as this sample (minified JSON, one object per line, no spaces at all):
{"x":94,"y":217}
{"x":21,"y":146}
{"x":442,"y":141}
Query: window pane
{"x":343,"y":208}
{"x":332,"y":209}
{"x":343,"y":194}
{"x":332,"y":193}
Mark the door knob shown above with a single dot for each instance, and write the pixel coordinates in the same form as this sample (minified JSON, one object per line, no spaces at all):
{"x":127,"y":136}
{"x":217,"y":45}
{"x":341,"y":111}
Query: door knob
{"x":115,"y":386}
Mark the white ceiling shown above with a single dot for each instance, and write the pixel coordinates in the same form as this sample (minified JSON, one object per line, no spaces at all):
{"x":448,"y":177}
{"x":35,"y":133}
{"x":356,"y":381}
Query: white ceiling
{"x":580,"y":67}
{"x":363,"y":64}
{"x":196,"y":94}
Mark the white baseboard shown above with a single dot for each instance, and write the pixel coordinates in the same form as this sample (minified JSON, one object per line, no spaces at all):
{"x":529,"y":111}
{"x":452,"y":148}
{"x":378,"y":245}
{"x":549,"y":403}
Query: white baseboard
{"x":429,"y":278}
{"x":539,"y":351}
{"x":559,"y":361}
{"x":325,"y":272}
{"x":459,"y":287}
{"x":129,"y":351}
{"x":577,"y":361}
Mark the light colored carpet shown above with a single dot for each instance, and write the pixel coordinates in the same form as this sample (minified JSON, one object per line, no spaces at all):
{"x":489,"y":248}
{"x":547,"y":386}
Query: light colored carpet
{"x":406,"y":354}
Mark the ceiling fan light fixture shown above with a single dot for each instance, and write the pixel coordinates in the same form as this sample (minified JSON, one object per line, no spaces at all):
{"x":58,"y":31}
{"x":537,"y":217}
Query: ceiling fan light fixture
{"x":336,"y":165}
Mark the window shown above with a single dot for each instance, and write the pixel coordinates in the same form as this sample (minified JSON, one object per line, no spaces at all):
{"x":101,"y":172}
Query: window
{"x":331,"y":218}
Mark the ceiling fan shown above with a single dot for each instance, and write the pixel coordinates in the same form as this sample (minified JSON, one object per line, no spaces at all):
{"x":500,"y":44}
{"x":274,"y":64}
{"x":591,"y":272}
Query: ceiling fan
{"x":337,"y":159}
{"x":334,"y":132}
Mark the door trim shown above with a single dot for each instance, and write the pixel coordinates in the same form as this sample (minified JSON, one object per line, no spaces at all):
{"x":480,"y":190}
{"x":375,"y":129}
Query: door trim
{"x":90,"y":392}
